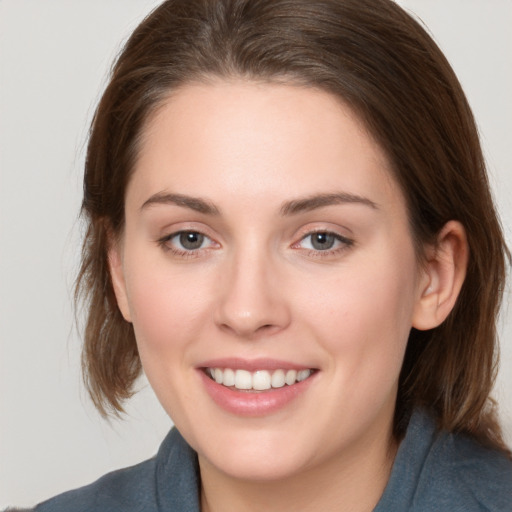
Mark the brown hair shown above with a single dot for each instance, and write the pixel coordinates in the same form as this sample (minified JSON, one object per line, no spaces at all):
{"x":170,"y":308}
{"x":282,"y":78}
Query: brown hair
{"x":384,"y":65}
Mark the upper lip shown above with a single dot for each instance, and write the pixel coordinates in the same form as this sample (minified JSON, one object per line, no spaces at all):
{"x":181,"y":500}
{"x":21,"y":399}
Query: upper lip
{"x":252,"y":365}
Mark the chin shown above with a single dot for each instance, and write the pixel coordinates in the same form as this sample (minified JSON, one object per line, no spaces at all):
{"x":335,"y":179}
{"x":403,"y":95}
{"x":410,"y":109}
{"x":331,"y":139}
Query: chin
{"x":262,"y":466}
{"x":258,"y":455}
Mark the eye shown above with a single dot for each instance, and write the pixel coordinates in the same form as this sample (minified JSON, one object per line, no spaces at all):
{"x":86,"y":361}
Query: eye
{"x":324,"y":241}
{"x":186,"y":242}
{"x":189,"y":240}
{"x":321,"y":241}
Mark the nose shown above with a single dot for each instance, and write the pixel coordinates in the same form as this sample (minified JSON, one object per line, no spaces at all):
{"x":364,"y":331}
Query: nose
{"x":252,"y":301}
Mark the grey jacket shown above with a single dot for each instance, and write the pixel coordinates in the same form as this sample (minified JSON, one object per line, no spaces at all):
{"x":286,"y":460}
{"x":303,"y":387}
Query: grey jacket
{"x":433,"y":472}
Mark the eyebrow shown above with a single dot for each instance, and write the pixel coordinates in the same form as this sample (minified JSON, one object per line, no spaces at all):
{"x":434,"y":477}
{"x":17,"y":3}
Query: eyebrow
{"x":320,"y":200}
{"x":292,"y":207}
{"x":194,"y":203}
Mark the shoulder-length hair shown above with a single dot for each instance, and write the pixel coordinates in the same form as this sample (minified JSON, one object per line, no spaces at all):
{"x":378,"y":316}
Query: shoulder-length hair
{"x":381,"y":63}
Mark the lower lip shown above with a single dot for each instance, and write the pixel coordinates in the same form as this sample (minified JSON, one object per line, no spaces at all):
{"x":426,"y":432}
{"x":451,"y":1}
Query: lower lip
{"x":254,"y":403}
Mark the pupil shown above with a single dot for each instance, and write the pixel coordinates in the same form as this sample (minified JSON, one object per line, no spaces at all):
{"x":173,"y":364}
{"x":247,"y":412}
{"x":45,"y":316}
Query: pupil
{"x":322,"y":241}
{"x":191,"y":240}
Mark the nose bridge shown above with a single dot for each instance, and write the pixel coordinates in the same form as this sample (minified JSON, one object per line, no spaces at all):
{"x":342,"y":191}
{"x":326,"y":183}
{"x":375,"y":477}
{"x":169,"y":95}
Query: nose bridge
{"x":250,"y":302}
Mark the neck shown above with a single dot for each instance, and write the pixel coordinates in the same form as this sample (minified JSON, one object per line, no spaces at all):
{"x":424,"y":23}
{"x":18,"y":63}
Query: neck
{"x":352,"y":481}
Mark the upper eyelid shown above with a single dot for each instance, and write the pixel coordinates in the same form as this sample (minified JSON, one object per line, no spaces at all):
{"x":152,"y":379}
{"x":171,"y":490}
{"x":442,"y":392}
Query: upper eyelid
{"x":304,"y":232}
{"x":344,"y":243}
{"x":174,"y":234}
{"x":325,"y":226}
{"x":171,"y":230}
{"x":323,"y":230}
{"x":338,"y":236}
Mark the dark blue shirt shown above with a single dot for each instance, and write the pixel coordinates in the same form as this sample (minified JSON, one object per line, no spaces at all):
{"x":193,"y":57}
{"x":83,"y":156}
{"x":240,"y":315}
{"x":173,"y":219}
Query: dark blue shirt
{"x":433,"y":472}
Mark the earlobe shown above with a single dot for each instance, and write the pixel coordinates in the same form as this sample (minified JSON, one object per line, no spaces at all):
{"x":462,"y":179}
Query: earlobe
{"x":442,"y":277}
{"x":115,"y":265}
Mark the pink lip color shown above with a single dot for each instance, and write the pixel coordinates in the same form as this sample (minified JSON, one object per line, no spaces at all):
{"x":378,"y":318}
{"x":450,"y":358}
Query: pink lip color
{"x":251,"y":403}
{"x":251,"y":365}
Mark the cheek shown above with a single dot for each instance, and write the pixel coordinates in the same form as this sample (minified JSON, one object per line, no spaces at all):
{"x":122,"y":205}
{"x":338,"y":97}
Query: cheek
{"x":373,"y":294}
{"x":363,"y":317}
{"x":168,"y":316}
{"x":166,"y":306}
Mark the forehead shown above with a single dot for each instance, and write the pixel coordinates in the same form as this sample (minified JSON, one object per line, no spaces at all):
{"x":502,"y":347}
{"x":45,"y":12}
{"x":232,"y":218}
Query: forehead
{"x":258,"y":139}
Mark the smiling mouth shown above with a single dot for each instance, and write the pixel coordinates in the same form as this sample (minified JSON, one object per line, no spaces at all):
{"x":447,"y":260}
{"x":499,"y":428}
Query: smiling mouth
{"x":259,"y":380}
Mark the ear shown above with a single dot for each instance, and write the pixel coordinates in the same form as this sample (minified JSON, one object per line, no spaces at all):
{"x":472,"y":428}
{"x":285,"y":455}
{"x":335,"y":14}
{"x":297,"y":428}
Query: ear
{"x":442,"y":277}
{"x":115,"y":264}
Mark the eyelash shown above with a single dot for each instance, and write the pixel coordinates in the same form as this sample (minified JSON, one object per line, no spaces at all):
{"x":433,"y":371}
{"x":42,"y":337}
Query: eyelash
{"x":165,"y":243}
{"x":346,"y":243}
{"x":343,"y":243}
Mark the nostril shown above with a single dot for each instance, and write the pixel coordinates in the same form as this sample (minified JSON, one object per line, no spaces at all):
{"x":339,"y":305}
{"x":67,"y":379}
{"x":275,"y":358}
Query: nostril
{"x":248,"y":312}
{"x":266,"y":330}
{"x":250,"y":332}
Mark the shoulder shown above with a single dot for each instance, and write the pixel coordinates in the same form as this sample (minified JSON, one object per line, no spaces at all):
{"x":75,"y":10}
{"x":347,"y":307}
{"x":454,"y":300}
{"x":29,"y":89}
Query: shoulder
{"x":482,"y":473}
{"x":126,"y":489}
{"x":441,"y":471}
{"x":461,"y":474}
{"x":170,"y":475}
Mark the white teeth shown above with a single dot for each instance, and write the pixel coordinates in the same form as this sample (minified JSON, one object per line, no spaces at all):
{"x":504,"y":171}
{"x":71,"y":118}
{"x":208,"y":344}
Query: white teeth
{"x":291,"y":377}
{"x":303,"y":375}
{"x":243,"y":379}
{"x":259,"y":380}
{"x":229,"y":377}
{"x":278,"y":379}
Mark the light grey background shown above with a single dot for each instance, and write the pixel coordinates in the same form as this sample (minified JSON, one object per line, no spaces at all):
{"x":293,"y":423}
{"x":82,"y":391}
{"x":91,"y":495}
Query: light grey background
{"x":54,"y":56}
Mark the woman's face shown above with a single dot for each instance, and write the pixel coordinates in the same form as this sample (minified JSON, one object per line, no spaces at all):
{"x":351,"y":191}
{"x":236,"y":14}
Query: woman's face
{"x":266,"y":242}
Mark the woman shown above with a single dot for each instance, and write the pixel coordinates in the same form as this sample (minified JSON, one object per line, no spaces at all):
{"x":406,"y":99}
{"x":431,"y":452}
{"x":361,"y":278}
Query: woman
{"x":291,"y":232}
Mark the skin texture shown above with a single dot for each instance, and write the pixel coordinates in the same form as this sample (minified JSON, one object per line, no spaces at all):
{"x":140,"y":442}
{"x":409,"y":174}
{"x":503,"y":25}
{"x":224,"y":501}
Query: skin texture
{"x":257,"y":288}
